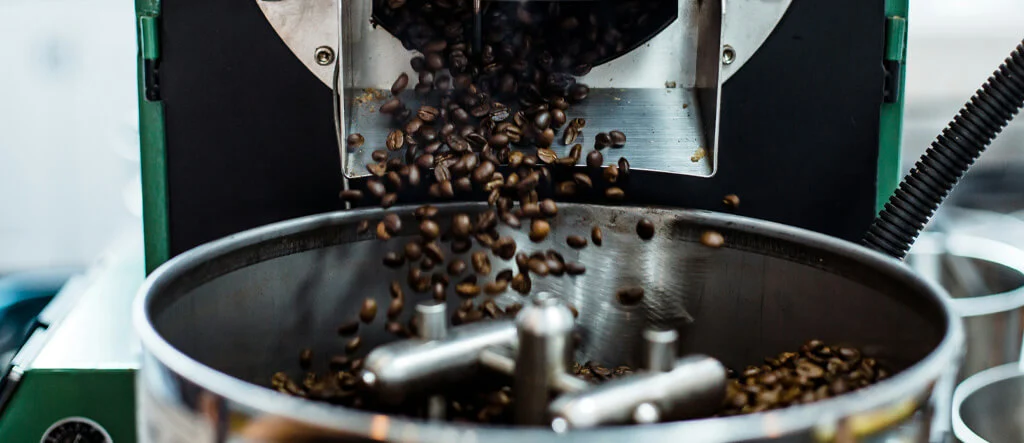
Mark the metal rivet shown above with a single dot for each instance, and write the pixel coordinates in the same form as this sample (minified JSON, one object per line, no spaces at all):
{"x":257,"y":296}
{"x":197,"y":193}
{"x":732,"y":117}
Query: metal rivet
{"x":728,"y":55}
{"x":324,"y":55}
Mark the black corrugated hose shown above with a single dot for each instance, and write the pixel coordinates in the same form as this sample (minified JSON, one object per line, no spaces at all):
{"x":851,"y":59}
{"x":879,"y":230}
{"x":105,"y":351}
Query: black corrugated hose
{"x":940,"y":168}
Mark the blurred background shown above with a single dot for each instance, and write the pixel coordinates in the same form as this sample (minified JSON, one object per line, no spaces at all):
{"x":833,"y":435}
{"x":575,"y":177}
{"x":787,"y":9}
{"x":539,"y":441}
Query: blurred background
{"x":69,"y":179}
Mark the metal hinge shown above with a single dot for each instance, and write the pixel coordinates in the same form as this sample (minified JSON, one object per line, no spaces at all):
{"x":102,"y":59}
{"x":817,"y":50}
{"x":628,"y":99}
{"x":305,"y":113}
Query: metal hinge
{"x":895,"y":57}
{"x":149,"y":44}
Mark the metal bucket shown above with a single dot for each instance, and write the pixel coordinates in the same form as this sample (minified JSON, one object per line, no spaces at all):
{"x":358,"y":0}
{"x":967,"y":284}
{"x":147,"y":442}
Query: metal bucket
{"x":218,"y":321}
{"x":986,"y":280}
{"x":988,"y":407}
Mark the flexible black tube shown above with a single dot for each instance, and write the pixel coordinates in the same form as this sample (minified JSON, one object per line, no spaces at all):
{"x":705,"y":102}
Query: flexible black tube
{"x":940,"y":168}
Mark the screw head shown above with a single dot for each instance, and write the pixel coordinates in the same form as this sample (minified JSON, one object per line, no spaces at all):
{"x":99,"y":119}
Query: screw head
{"x":728,"y":55}
{"x":324,"y":55}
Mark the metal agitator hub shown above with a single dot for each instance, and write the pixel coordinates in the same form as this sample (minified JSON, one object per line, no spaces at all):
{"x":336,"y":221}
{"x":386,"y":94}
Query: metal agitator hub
{"x":535,"y":350}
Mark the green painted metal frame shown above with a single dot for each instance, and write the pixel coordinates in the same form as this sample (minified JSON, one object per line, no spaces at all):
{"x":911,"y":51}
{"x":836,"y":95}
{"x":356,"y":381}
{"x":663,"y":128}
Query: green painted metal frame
{"x":45,"y":396}
{"x":891,"y":129}
{"x":153,"y":141}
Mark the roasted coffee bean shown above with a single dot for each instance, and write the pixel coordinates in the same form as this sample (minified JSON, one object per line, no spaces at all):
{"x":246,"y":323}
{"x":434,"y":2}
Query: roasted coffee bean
{"x":546,"y":156}
{"x":537,"y":266}
{"x":442,"y":173}
{"x":614,"y":193}
{"x":576,"y":241}
{"x":617,"y":138}
{"x":362,"y":227}
{"x":425,"y":212}
{"x":394,"y":260}
{"x":377,"y":169}
{"x":395,"y":308}
{"x":548,"y":207}
{"x":428,"y":114}
{"x":438,"y":291}
{"x":630,"y":296}
{"x":388,"y":200}
{"x":483,"y":173}
{"x":504,"y":247}
{"x":555,"y":267}
{"x":305,"y":359}
{"x":511,"y":220}
{"x":468,"y":290}
{"x":338,"y":362}
{"x":433,"y":251}
{"x":400,"y":84}
{"x":557,"y":118}
{"x":623,"y":167}
{"x":570,"y":135}
{"x":521,"y":283}
{"x":732,"y":201}
{"x":395,"y":328}
{"x":539,"y":230}
{"x":542,"y":121}
{"x":712,"y":239}
{"x":351,"y":195}
{"x":496,"y":287}
{"x":565,"y":189}
{"x":355,"y":140}
{"x":596,"y":236}
{"x":368,"y":311}
{"x":434,"y":61}
{"x":427,"y":264}
{"x":594,"y":159}
{"x":579,"y":92}
{"x":578,"y":123}
{"x":382,"y":232}
{"x":376,"y":188}
{"x":576,"y":151}
{"x":456,"y":267}
{"x":413,"y":251}
{"x":395,"y":290}
{"x":645,"y":229}
{"x":611,"y":173}
{"x":417,"y":281}
{"x":583,"y":181}
{"x":393,"y":223}
{"x":348,"y":328}
{"x":429,"y":229}
{"x":602,"y":140}
{"x":530,"y":209}
{"x":425,"y":161}
{"x":487,"y":221}
{"x":460,"y":245}
{"x":461,"y":226}
{"x":379,"y":155}
{"x":505,"y":275}
{"x":391,"y":106}
{"x":353,"y":345}
{"x":575,"y":268}
{"x":395,"y":140}
{"x":463,"y":184}
{"x":481,"y":263}
{"x":546,"y":138}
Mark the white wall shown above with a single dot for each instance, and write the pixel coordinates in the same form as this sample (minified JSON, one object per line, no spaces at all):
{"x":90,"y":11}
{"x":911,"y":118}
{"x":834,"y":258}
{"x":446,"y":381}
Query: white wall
{"x":68,"y":131}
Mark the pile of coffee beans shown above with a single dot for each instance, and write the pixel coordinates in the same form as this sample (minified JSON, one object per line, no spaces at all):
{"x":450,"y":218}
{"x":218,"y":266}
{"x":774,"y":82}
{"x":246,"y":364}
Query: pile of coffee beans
{"x":815,"y":372}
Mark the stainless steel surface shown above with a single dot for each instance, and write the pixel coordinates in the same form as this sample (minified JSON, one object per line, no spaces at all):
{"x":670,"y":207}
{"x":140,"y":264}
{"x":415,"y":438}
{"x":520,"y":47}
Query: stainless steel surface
{"x":986,"y":279}
{"x":660,"y":349}
{"x":694,"y":387}
{"x":987,"y":407}
{"x":504,"y":364}
{"x":304,"y":25}
{"x":432,"y":320}
{"x":545,"y":346}
{"x":221,"y":319}
{"x":673,"y":130}
{"x":397,"y":369}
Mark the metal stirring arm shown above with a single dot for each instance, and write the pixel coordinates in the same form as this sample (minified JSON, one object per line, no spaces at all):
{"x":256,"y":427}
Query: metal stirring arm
{"x":535,"y":351}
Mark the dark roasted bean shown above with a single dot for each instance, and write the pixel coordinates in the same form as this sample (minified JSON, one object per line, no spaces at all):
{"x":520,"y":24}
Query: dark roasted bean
{"x":468,"y":290}
{"x":391,"y":106}
{"x":481,"y":263}
{"x":438,"y":291}
{"x":583,"y":181}
{"x":576,"y":241}
{"x":539,"y":230}
{"x":388,"y":200}
{"x":496,"y":287}
{"x":355,"y":140}
{"x":368,"y":311}
{"x":570,"y":135}
{"x":351,"y":195}
{"x":395,"y":140}
{"x":348,"y":328}
{"x":460,"y":245}
{"x":630,"y":296}
{"x":712,"y":239}
{"x":393,"y":259}
{"x":521,"y":283}
{"x":732,"y":201}
{"x":596,"y":236}
{"x":537,"y":266}
{"x":614,"y":193}
{"x":645,"y":229}
{"x":617,"y":138}
{"x":594,"y":159}
{"x":433,"y":251}
{"x":363,"y":227}
{"x":429,"y":229}
{"x":602,"y":140}
{"x":395,"y":308}
{"x":456,"y":267}
{"x":505,"y":247}
{"x":382,"y":232}
{"x":548,"y":207}
{"x":400,"y":83}
{"x":546,"y":156}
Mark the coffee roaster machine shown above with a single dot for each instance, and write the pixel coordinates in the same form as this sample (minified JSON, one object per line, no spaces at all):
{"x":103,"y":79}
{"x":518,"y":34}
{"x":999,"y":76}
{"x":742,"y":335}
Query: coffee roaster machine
{"x":795,"y":106}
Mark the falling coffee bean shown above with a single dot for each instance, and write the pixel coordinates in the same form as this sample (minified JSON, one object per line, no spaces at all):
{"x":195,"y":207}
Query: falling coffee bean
{"x":348,"y":328}
{"x":394,"y":259}
{"x":391,"y":106}
{"x":732,"y":201}
{"x":353,"y":344}
{"x":576,"y":241}
{"x":413,"y":251}
{"x":456,"y":267}
{"x":548,"y":207}
{"x":393,"y":223}
{"x":595,"y":160}
{"x":539,"y":230}
{"x":400,"y":84}
{"x":614,"y":193}
{"x":611,"y":173}
{"x":376,"y":188}
{"x":546,"y":155}
{"x":425,"y":212}
{"x":351,"y":195}
{"x":395,"y":140}
{"x":504,"y":247}
{"x":481,"y":263}
{"x":395,"y":289}
{"x":382,"y":232}
{"x":570,"y":135}
{"x":630,"y":296}
{"x":521,"y":283}
{"x":596,"y":236}
{"x":712,"y":239}
{"x":575,"y":268}
{"x":433,"y":251}
{"x":602,"y":140}
{"x":429,"y":229}
{"x":355,"y":140}
{"x":496,"y":287}
{"x":583,"y":181}
{"x":388,"y":200}
{"x":645,"y":229}
{"x":623,"y":167}
{"x":538,"y":266}
{"x":438,"y":291}
{"x":368,"y":311}
{"x":617,"y":138}
{"x":305,"y":358}
{"x":363,"y":227}
{"x":467,"y":290}
{"x":395,"y":308}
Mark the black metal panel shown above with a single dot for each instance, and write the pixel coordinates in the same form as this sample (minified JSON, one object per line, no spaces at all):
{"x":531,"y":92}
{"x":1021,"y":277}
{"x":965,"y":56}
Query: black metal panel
{"x":250,"y":137}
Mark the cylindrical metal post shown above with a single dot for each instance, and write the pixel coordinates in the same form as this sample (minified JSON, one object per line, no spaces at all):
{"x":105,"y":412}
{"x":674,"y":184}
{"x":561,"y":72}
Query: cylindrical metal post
{"x":432,"y":321}
{"x":660,"y":347}
{"x":544,"y":328}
